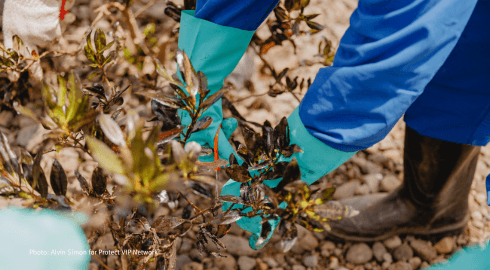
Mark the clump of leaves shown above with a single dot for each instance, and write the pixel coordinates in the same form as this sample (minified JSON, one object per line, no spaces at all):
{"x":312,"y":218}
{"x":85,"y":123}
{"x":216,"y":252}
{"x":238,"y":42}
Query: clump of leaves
{"x":96,"y":57}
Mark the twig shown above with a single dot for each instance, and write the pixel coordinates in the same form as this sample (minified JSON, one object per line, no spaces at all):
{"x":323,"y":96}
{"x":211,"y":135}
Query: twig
{"x":147,"y":6}
{"x":101,"y":262}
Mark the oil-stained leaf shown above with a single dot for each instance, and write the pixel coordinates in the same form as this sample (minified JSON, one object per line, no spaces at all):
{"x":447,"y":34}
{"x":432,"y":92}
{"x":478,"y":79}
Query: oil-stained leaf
{"x":104,"y":156}
{"x":100,"y":40}
{"x":223,"y":230}
{"x":203,"y":83}
{"x":289,"y":235}
{"x":213,"y":98}
{"x":261,"y":165}
{"x":164,"y":224}
{"x":96,"y":90}
{"x":325,"y":195}
{"x":281,"y":138}
{"x":10,"y":162}
{"x":199,"y":189}
{"x":59,"y":182}
{"x":111,"y":130}
{"x":190,"y":75}
{"x":164,"y":100}
{"x":233,"y":159}
{"x":314,"y":26}
{"x":99,"y":181}
{"x":169,"y":117}
{"x":231,"y":199}
{"x":268,"y":137}
{"x":83,"y":183}
{"x":227,"y":218}
{"x":187,"y":211}
{"x":42,"y":184}
{"x":290,"y":150}
{"x":238,"y":173}
{"x":291,"y":174}
{"x":169,"y":135}
{"x":203,"y":123}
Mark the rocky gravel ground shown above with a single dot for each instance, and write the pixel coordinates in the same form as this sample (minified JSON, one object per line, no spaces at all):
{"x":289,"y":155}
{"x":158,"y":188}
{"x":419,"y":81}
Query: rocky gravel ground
{"x":377,"y":170}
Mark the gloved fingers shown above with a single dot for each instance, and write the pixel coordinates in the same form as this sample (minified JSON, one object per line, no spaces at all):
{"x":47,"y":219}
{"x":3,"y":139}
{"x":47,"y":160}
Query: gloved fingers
{"x":229,"y":125}
{"x":224,"y":147}
{"x":254,"y":239}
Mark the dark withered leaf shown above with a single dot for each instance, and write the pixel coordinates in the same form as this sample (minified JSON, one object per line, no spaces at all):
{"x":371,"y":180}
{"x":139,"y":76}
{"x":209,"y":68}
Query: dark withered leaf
{"x":282,"y":74}
{"x":99,"y":181}
{"x":169,"y":135}
{"x":164,"y":100}
{"x":215,"y":240}
{"x":333,"y":210}
{"x":233,"y":160}
{"x":189,"y":74}
{"x":271,"y":195}
{"x":172,"y":11}
{"x":42,"y":184}
{"x":203,"y":123}
{"x":213,"y":98}
{"x":290,"y":150}
{"x":167,"y":116}
{"x":59,"y":182}
{"x":231,"y":199}
{"x":83,"y":183}
{"x":203,"y":83}
{"x":243,"y":152}
{"x":199,"y":189}
{"x":281,"y":138}
{"x":268,"y":137}
{"x":205,"y":151}
{"x":238,"y":173}
{"x":262,"y":165}
{"x":163,"y":223}
{"x":96,"y":90}
{"x":315,"y":26}
{"x":37,"y":171}
{"x":277,"y":171}
{"x":187,"y":211}
{"x":223,"y":230}
{"x":253,"y":140}
{"x":289,"y":235}
{"x":291,"y":174}
{"x":227,"y":218}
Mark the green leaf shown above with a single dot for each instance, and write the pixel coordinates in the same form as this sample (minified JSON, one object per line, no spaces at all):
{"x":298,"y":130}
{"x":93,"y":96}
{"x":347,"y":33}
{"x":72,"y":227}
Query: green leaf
{"x":75,"y":98}
{"x":100,"y":41}
{"x":107,"y":46}
{"x":107,"y":159}
{"x":93,"y":75}
{"x":61,"y":91}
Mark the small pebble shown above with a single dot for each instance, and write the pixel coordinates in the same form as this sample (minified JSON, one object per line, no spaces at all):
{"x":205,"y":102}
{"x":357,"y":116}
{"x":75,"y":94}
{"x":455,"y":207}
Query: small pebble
{"x":445,"y":245}
{"x":359,"y":253}
{"x":393,"y":242}
{"x":415,"y":262}
{"x":423,"y":249}
{"x":476,"y":215}
{"x":378,"y":251}
{"x":387,"y":258}
{"x":400,"y":266}
{"x":298,"y":267}
{"x":246,"y":263}
{"x":310,"y":260}
{"x":193,"y":266}
{"x":403,"y":253}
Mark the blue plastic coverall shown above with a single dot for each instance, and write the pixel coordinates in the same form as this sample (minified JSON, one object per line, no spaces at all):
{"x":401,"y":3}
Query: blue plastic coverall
{"x":427,"y":59}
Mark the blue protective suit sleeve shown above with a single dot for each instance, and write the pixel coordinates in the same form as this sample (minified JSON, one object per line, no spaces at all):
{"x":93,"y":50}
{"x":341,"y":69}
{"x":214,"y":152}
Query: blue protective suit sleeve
{"x":387,"y":56}
{"x":241,"y":14}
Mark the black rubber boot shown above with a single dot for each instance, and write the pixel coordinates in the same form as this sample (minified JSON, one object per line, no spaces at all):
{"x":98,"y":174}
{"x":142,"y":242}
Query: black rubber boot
{"x":433,"y":198}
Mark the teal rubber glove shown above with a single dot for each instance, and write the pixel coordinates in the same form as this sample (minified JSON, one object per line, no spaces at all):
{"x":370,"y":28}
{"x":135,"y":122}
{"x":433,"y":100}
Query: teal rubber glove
{"x":215,"y":50}
{"x":471,"y":257}
{"x":28,"y":239}
{"x":316,"y":160}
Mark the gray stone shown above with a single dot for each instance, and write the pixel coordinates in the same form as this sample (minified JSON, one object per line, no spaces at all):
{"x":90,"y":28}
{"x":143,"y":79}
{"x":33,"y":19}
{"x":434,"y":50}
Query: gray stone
{"x":327,"y":248}
{"x":415,"y":262}
{"x":308,"y":241}
{"x":310,"y":260}
{"x":271,"y":262}
{"x":182,"y":260}
{"x":246,"y":263}
{"x":445,"y":245}
{"x":400,"y":266}
{"x":186,"y":245}
{"x":346,"y":190}
{"x":298,"y":267}
{"x":236,"y":245}
{"x":195,"y":255}
{"x":393,"y":242}
{"x":389,"y":183}
{"x":378,"y":250}
{"x":225,"y":263}
{"x":423,"y":249}
{"x":373,"y":180}
{"x":193,"y":266}
{"x":362,"y":189}
{"x":403,"y":253}
{"x":359,"y":253}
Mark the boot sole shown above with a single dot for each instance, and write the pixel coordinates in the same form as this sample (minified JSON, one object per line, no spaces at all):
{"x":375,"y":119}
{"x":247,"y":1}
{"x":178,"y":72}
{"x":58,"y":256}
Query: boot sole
{"x":441,"y":231}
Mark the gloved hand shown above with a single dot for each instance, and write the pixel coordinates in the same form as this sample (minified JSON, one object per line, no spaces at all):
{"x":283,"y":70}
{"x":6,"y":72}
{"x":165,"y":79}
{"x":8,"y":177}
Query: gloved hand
{"x":29,"y":237}
{"x":215,"y":50}
{"x":316,"y":160}
{"x":36,"y":22}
